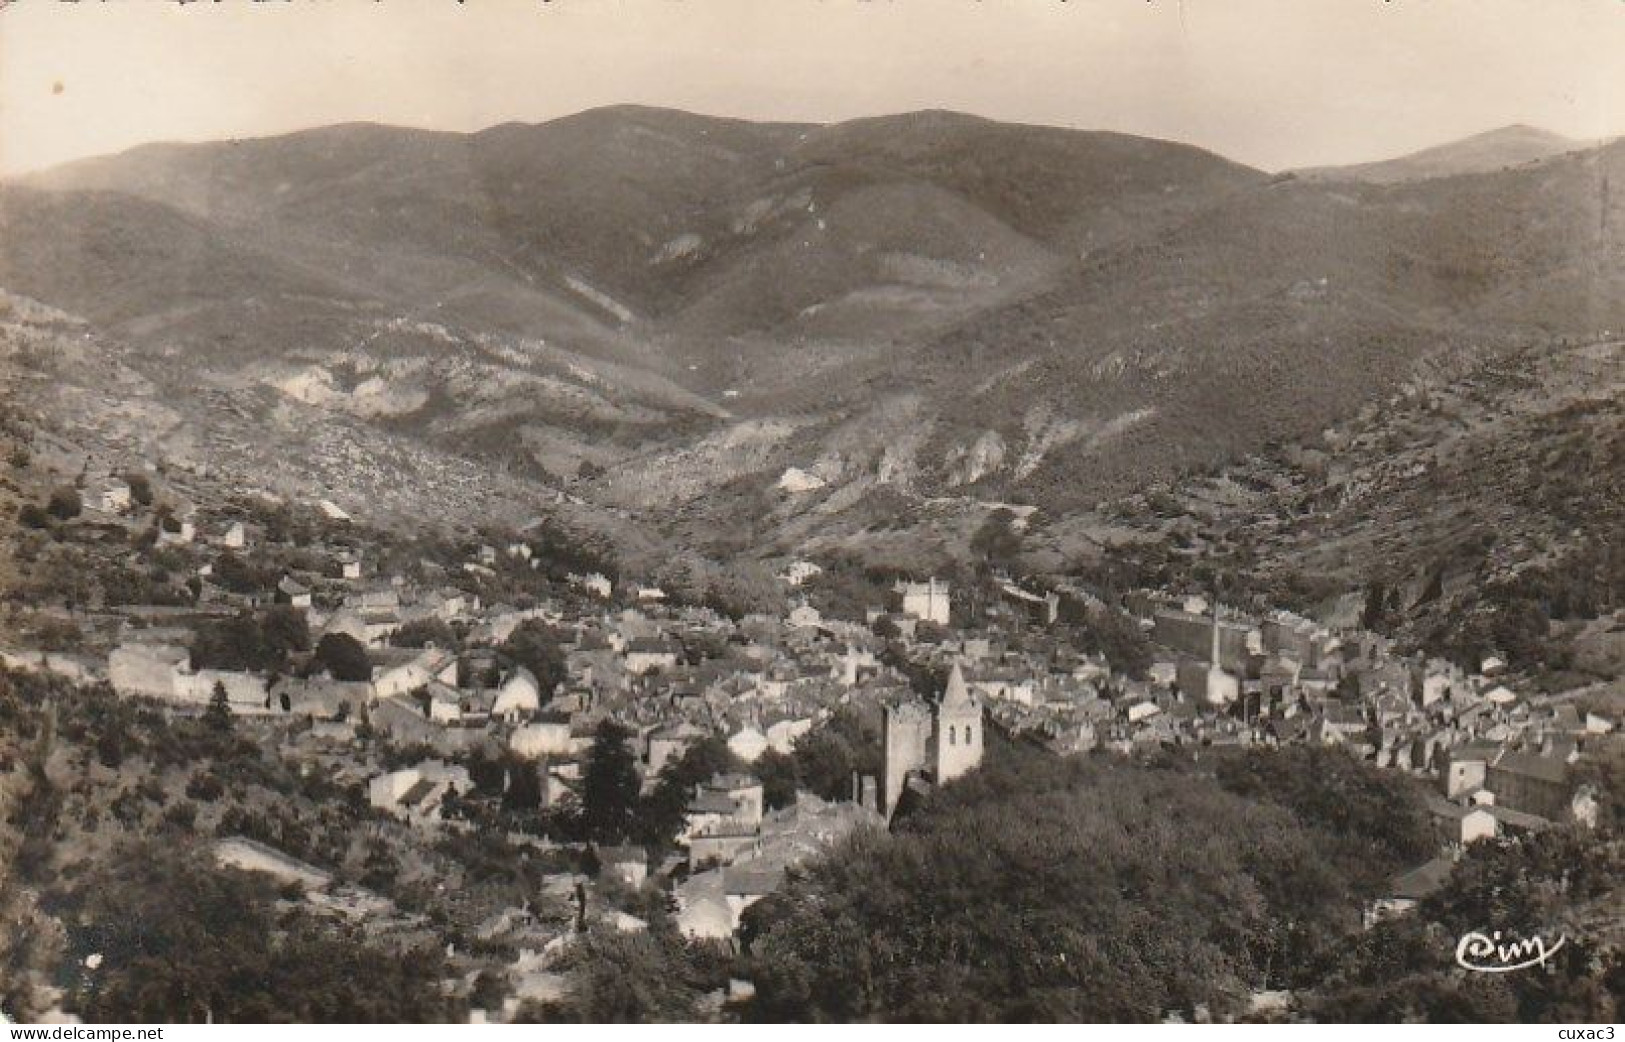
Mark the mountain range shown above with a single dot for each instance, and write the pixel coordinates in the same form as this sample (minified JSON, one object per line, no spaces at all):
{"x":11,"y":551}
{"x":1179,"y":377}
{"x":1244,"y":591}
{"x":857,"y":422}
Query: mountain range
{"x":1499,"y":149}
{"x":767,"y":337}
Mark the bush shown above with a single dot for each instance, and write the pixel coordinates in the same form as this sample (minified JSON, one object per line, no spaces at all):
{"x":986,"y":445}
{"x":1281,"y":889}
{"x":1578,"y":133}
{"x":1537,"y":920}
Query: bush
{"x":343,"y":657}
{"x":249,"y":642}
{"x":233,"y":573}
{"x":32,"y":515}
{"x":64,"y":504}
{"x":140,"y":488}
{"x":420,"y":633}
{"x":205,"y":787}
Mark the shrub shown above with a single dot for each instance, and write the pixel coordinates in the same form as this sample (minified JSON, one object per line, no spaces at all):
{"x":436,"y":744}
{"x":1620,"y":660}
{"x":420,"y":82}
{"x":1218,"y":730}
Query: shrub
{"x":64,"y":504}
{"x":33,"y":515}
{"x":343,"y":657}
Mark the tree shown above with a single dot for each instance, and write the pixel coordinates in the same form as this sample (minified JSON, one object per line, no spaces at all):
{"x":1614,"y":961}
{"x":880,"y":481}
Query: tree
{"x":1380,"y":810}
{"x":609,"y":785}
{"x":524,"y":785}
{"x":535,"y":646}
{"x":1109,"y":632}
{"x":191,"y":944}
{"x":1403,"y":969}
{"x":284,"y":632}
{"x":64,"y":503}
{"x":1375,"y":616}
{"x":780,"y":778}
{"x":997,"y":542}
{"x":140,"y":488}
{"x":420,"y":633}
{"x":32,"y":515}
{"x":634,"y":978}
{"x":233,"y":573}
{"x":827,"y":756}
{"x":343,"y":657}
{"x":246,"y":641}
{"x":490,"y":988}
{"x":660,"y":815}
{"x":218,"y":715}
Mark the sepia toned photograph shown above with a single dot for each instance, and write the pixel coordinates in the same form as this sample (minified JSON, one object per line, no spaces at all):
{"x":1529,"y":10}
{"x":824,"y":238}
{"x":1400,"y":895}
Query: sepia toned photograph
{"x":817,"y":512}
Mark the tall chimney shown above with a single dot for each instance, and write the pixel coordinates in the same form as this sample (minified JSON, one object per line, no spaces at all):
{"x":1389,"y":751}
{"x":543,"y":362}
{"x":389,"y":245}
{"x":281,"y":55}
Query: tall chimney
{"x":1215,"y":653}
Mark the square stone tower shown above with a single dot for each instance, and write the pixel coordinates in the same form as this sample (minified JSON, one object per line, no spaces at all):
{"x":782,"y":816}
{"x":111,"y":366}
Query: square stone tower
{"x":907,"y":737}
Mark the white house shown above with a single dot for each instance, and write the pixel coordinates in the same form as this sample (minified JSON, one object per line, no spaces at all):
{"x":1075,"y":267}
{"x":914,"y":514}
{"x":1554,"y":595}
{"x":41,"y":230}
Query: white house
{"x":647,"y":656}
{"x":1142,"y":711}
{"x":799,"y":572}
{"x":595,"y":583}
{"x":519,"y":698}
{"x":748,"y":743}
{"x":183,"y":533}
{"x":782,"y":734}
{"x":292,"y":593}
{"x":113,"y":496}
{"x":150,"y":670}
{"x":927,"y":601}
{"x":415,"y":673}
{"x":416,"y":793}
{"x":541,"y":738}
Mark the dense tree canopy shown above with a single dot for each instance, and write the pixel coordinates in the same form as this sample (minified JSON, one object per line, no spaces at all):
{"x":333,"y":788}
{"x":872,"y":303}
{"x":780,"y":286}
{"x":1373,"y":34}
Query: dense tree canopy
{"x":651,"y":977}
{"x":1380,"y":816}
{"x":827,"y":756}
{"x":1118,"y":892}
{"x":240,"y":575}
{"x":421,"y":633}
{"x":343,"y":656}
{"x":535,"y":646}
{"x":181,"y":943}
{"x":1561,"y":883}
{"x":266,"y":641}
{"x":1107,"y":631}
{"x":780,"y":778}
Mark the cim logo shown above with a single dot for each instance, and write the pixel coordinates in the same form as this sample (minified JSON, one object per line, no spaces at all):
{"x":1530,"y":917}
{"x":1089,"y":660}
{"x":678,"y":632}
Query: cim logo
{"x":1489,"y":954}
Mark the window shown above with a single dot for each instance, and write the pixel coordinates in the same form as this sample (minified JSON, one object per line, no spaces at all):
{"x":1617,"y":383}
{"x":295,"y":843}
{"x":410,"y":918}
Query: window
{"x":951,"y":735}
{"x":969,"y":739}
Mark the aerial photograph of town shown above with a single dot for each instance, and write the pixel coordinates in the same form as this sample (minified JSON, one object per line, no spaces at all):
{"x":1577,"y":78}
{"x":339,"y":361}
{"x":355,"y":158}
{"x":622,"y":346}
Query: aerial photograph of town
{"x":812,"y":511}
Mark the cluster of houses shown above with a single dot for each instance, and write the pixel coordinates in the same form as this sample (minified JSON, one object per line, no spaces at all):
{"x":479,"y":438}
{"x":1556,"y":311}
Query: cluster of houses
{"x":676,"y":674}
{"x":1500,"y":760}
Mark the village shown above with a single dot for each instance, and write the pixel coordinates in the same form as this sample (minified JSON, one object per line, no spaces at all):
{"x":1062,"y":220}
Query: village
{"x":407,"y":683}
